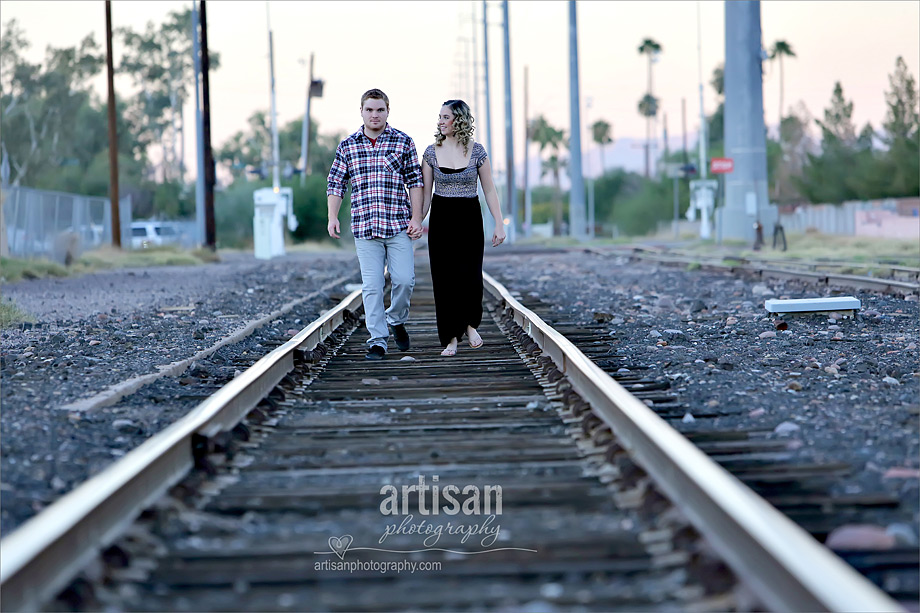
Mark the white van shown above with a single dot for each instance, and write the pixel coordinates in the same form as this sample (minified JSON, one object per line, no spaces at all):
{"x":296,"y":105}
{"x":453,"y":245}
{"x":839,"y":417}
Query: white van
{"x":146,"y":234}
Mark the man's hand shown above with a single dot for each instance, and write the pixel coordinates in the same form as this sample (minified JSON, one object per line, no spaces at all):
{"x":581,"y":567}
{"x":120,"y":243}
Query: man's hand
{"x":333,"y":228}
{"x":414,"y":230}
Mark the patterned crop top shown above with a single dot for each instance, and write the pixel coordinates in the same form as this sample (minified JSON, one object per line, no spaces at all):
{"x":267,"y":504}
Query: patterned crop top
{"x":457,"y":183}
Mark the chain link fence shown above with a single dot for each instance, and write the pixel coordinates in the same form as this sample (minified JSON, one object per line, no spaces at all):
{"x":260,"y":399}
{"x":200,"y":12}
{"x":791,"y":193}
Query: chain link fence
{"x":58,"y":226}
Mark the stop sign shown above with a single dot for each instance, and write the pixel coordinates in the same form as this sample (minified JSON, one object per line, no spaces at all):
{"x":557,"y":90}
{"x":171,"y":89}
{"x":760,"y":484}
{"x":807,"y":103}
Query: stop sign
{"x":721,"y":165}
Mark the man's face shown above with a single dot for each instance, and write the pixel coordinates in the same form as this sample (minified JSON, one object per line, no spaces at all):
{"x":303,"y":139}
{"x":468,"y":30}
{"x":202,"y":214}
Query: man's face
{"x":374,"y":112}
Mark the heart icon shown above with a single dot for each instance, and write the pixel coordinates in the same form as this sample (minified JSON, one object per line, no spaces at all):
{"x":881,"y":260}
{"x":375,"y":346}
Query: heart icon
{"x":340,"y":544}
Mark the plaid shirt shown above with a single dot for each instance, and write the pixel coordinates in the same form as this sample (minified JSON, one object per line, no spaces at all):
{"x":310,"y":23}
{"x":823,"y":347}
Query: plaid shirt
{"x":380,"y":174}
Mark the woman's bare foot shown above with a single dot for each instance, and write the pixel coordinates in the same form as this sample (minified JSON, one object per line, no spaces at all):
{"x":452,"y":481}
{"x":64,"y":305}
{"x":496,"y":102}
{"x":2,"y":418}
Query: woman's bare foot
{"x":451,"y":348}
{"x":473,"y":336}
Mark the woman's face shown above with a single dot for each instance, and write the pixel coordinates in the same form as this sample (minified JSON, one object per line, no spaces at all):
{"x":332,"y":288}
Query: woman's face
{"x":446,"y":121}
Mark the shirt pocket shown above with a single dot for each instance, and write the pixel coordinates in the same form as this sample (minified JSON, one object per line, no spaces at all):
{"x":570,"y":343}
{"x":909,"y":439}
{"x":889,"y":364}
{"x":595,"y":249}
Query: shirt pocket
{"x":393,"y":162}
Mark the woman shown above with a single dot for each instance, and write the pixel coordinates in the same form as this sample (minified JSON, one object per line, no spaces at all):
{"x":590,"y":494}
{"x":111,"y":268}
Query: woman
{"x":450,"y":168}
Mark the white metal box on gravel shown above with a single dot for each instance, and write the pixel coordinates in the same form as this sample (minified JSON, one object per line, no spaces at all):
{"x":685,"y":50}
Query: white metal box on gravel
{"x":813,"y":305}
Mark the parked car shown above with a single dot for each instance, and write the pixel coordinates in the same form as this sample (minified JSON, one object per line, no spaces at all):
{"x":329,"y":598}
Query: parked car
{"x":146,"y":234}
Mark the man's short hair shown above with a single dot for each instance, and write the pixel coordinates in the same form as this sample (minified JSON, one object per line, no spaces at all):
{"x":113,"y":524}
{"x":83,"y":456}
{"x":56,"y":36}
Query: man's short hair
{"x":375,"y":94}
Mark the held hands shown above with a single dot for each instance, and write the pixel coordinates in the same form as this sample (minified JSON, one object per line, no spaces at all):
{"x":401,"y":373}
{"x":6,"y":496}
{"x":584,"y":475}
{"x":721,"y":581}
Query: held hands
{"x":498,"y":237}
{"x":333,"y":228}
{"x":414,"y":230}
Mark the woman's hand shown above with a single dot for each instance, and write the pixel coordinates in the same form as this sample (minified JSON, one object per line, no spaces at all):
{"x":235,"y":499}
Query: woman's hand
{"x":498,"y":237}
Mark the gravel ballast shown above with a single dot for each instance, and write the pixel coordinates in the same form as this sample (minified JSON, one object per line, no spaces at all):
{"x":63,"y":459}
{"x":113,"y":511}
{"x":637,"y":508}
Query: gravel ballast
{"x":835,"y":389}
{"x":97,"y":330}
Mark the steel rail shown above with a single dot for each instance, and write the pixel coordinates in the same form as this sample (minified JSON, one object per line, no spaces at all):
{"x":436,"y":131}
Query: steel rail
{"x":45,"y":553}
{"x":757,"y":267}
{"x":766,"y":259}
{"x":783,"y":565}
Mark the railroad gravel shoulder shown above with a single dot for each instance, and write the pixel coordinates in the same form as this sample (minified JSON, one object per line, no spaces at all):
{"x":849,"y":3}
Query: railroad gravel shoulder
{"x":100,"y":329}
{"x":837,"y":390}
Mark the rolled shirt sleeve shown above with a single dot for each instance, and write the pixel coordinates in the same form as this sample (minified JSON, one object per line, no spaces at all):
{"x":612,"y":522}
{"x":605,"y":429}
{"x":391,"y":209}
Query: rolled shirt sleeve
{"x":412,"y":170}
{"x":338,"y":174}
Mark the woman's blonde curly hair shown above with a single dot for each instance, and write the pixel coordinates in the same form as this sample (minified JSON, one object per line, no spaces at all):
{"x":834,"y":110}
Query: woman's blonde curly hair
{"x":463,"y":124}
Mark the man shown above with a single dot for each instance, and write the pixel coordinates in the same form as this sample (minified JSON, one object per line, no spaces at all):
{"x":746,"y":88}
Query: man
{"x":381,"y":163}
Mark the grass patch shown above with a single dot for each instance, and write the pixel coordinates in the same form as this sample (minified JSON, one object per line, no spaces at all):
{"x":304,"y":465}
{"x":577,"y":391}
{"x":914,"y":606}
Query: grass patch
{"x":814,"y":247}
{"x":10,"y":315}
{"x":325,"y":244}
{"x":566,"y":241}
{"x":206,"y":255}
{"x":154,"y":256}
{"x":14,"y":269}
{"x":694,"y":266}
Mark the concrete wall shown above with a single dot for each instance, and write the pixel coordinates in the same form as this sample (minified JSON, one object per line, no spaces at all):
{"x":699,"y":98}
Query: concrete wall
{"x":889,"y":218}
{"x":886,"y":224}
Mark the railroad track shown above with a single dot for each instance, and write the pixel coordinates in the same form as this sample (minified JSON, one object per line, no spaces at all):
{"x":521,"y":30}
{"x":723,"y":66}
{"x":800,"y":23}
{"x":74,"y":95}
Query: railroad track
{"x":274,"y":493}
{"x":889,"y":278}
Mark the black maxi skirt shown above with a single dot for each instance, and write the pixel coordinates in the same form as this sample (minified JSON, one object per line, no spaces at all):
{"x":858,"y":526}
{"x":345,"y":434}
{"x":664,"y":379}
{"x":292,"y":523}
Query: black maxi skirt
{"x":455,"y":244}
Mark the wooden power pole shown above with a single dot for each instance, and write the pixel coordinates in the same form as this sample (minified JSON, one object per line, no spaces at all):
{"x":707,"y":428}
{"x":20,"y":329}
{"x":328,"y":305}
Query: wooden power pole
{"x":113,"y":133}
{"x":210,"y":230}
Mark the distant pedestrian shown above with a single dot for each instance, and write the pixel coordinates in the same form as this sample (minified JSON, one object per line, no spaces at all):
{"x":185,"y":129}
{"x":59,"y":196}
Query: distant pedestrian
{"x":452,"y":168}
{"x":381,"y":163}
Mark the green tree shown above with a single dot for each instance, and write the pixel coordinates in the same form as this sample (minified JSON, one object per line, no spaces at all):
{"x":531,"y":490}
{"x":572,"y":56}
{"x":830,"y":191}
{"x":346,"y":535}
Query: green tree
{"x":779,"y":50}
{"x":602,"y":134}
{"x":716,"y":121}
{"x":797,"y":143}
{"x":902,"y":133}
{"x":250,"y":152}
{"x":549,"y":137}
{"x":828,"y":177}
{"x":159,"y":61}
{"x":41,"y":102}
{"x":614,"y":186}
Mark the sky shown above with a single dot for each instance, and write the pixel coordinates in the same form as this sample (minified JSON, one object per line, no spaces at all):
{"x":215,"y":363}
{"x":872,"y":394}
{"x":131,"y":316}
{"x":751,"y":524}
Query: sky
{"x":419,"y":53}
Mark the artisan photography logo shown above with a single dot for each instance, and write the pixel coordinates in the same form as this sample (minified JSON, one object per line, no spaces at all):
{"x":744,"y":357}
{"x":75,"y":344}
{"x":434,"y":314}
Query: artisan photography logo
{"x":431,"y":516}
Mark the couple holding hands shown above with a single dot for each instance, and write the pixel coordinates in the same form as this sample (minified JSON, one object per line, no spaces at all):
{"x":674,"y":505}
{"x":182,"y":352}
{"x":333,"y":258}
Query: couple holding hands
{"x":381,"y":162}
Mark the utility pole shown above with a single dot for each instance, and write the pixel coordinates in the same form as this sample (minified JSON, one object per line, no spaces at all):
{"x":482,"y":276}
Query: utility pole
{"x":276,"y":181}
{"x":528,"y":213}
{"x":113,"y":131}
{"x":509,"y":133}
{"x":746,"y":202}
{"x":485,"y":46}
{"x":199,"y":131}
{"x":667,"y":149}
{"x":577,"y":192}
{"x":210,"y":230}
{"x":703,"y":127}
{"x":475,"y":62}
{"x":305,"y":136}
{"x":588,"y":102}
{"x":683,"y":115}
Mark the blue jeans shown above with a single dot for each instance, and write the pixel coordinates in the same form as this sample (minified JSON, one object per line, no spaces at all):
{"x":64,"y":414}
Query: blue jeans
{"x":396,"y":253}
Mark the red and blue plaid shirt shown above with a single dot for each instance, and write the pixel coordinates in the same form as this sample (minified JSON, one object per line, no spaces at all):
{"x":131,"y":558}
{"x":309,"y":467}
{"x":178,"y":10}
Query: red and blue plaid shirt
{"x":379,"y":174}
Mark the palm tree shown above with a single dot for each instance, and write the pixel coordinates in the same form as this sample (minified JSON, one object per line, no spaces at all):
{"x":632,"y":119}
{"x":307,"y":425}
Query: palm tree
{"x":601,"y":134}
{"x":779,"y":49}
{"x":650,"y":48}
{"x":545,"y":136}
